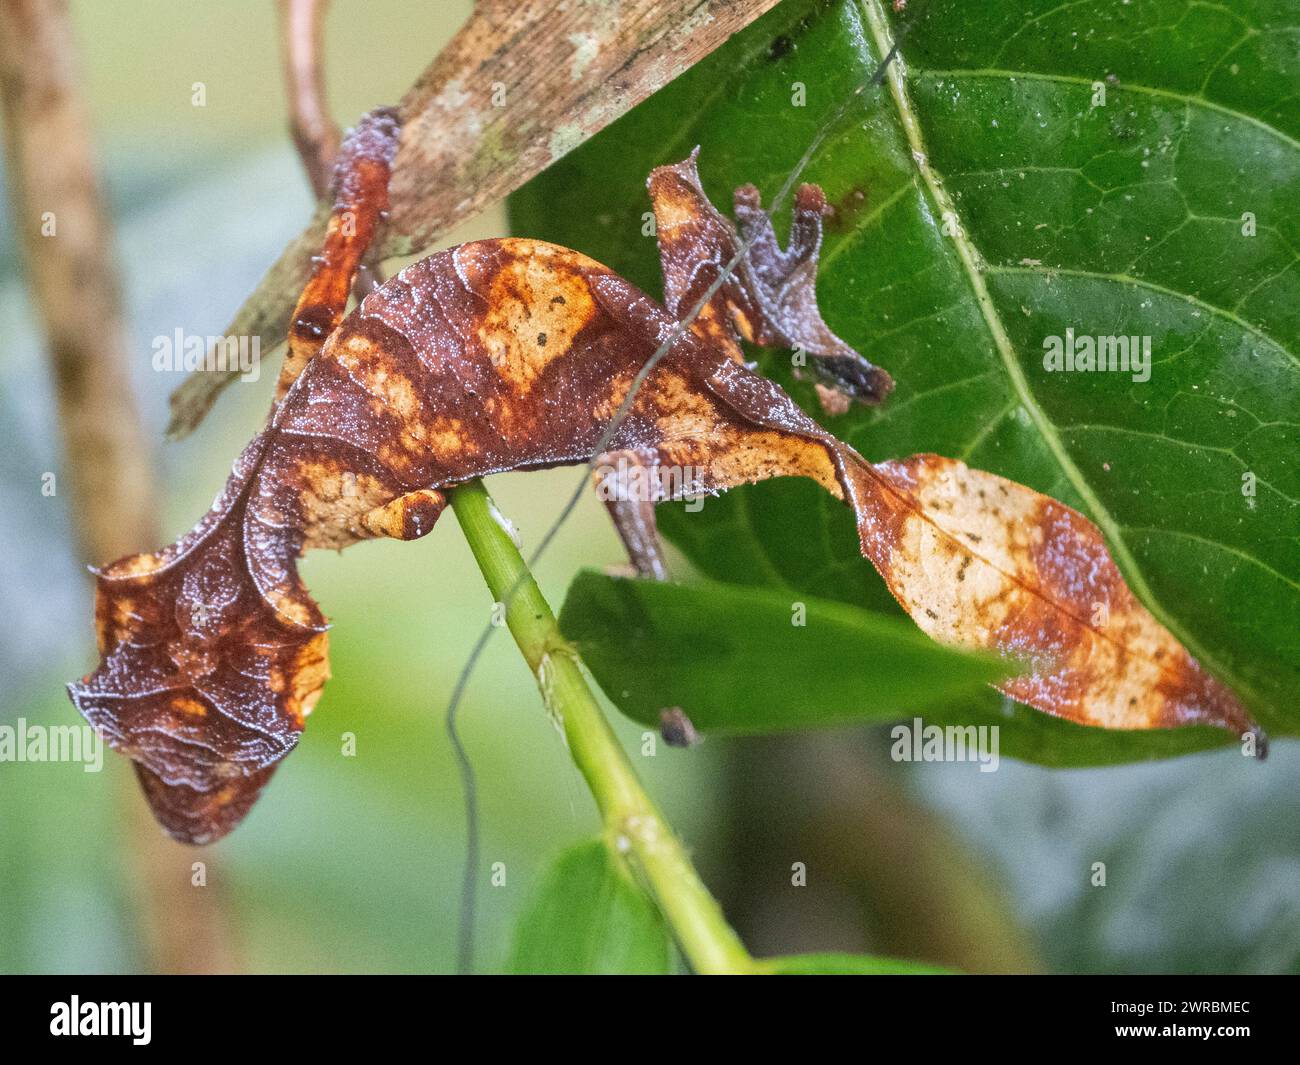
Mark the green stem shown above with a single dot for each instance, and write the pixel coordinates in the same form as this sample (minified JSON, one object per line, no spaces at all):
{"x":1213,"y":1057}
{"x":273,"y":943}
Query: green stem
{"x":634,"y":829}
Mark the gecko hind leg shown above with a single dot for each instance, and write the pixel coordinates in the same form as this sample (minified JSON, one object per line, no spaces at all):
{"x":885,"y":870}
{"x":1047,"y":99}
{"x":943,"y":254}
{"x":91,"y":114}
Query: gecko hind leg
{"x":627,"y":482}
{"x":360,"y":185}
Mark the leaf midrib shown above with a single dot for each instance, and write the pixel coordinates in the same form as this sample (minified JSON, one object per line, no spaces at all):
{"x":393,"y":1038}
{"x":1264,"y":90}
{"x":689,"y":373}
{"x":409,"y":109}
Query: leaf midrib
{"x":877,"y":25}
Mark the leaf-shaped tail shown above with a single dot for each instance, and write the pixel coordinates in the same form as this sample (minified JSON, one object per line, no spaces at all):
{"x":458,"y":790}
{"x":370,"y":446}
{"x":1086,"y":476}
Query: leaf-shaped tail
{"x":212,"y":656}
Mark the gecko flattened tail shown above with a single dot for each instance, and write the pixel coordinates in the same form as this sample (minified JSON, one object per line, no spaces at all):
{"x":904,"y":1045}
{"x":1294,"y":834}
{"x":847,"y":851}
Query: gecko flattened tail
{"x":211,"y":662}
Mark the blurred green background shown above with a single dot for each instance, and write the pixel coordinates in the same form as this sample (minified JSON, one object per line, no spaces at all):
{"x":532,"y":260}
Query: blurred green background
{"x":354,"y":863}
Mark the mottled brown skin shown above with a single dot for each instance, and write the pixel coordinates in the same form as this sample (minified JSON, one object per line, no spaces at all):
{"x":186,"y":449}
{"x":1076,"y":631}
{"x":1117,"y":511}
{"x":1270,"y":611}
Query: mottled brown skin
{"x":515,"y":354}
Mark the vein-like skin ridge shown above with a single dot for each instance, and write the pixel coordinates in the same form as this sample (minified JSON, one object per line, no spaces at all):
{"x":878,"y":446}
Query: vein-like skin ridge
{"x":515,"y":354}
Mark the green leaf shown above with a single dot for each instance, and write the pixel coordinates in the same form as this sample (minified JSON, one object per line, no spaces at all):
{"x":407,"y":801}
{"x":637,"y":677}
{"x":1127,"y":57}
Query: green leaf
{"x":749,"y":660}
{"x":1115,"y":218}
{"x":731,"y":658}
{"x":587,"y":917}
{"x":847,"y":965}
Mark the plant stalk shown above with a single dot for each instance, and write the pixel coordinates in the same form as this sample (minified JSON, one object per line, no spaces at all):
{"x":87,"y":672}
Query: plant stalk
{"x":634,"y":829}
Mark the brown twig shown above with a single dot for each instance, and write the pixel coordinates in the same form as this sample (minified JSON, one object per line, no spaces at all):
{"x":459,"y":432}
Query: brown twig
{"x":521,"y":85}
{"x":315,"y":134}
{"x":67,"y":244}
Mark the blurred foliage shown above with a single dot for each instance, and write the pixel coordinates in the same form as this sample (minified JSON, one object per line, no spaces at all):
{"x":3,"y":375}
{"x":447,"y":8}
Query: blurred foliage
{"x":833,"y":964}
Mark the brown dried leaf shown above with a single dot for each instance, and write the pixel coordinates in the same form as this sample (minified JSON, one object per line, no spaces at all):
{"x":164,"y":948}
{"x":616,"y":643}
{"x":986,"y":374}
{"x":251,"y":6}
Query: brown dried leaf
{"x":516,"y":354}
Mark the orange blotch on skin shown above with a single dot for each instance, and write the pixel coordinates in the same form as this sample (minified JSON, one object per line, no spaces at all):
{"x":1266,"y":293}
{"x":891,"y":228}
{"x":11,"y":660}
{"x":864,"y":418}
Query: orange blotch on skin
{"x":373,"y":370}
{"x":407,"y":517}
{"x":135,"y":566}
{"x":538,"y":301}
{"x":310,"y":671}
{"x":331,"y":498}
{"x":189,"y":707}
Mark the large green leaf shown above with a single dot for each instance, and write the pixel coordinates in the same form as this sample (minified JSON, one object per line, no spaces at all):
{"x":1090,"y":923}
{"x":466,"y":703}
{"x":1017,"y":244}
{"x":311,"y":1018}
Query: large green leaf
{"x":728,"y":655}
{"x":1122,"y":217}
{"x":733,"y":660}
{"x":587,"y":917}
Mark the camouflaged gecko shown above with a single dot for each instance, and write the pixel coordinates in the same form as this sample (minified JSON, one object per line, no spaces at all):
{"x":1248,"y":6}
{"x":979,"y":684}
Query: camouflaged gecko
{"x":515,"y":354}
